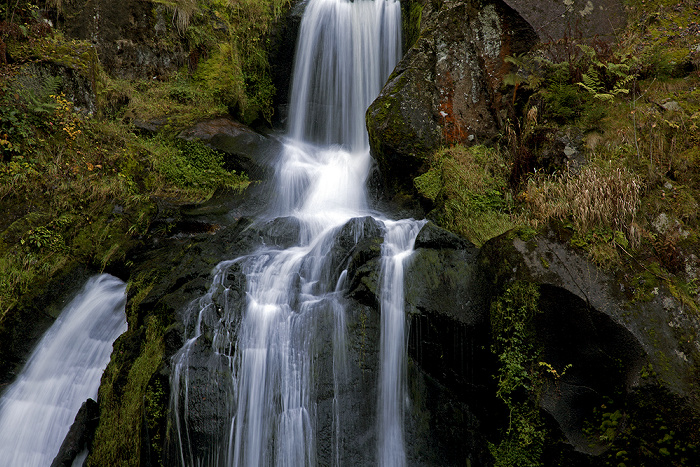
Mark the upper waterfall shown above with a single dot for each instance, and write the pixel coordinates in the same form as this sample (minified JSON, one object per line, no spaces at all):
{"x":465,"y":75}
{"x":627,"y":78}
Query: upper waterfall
{"x":345,"y":53}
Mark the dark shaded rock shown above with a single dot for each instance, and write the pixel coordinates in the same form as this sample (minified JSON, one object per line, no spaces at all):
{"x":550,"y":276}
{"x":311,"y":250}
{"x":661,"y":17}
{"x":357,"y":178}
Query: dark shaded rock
{"x":573,"y":19}
{"x":449,"y":346}
{"x":281,"y":232}
{"x":205,"y":413}
{"x":150,"y":127}
{"x":555,"y":149}
{"x":356,"y":372}
{"x":587,"y":321}
{"x":442,"y":429}
{"x":432,"y":236}
{"x":134,"y":39}
{"x":350,"y":246}
{"x":363,"y":271}
{"x":79,"y":436}
{"x":446,"y":90}
{"x":283,"y":41}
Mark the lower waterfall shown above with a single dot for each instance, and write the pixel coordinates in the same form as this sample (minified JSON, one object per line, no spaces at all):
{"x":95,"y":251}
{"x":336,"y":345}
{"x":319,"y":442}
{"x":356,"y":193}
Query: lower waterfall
{"x":264,"y":343}
{"x":64,"y":370}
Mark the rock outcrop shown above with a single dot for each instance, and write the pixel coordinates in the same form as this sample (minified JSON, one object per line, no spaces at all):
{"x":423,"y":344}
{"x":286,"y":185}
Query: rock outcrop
{"x":446,"y":89}
{"x":572,"y":19}
{"x":619,"y":348}
{"x":134,"y":39}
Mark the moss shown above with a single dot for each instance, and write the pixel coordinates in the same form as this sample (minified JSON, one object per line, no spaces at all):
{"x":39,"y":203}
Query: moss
{"x":124,"y":393}
{"x":468,"y":188}
{"x":411,"y":22}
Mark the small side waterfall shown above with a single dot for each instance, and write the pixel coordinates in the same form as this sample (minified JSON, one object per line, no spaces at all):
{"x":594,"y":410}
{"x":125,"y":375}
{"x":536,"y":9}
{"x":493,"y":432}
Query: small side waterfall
{"x":265,"y":340}
{"x":64,"y":370}
{"x":398,"y":246}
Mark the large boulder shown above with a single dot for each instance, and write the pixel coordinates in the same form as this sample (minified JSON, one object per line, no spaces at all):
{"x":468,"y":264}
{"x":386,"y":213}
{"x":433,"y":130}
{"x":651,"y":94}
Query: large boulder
{"x":245,"y":150}
{"x":604,"y":345}
{"x":447,"y":88}
{"x":450,"y":367}
{"x":572,"y":19}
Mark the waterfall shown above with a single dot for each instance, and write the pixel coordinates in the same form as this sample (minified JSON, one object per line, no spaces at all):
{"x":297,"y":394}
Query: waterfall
{"x":267,"y":346}
{"x":64,"y":370}
{"x":398,"y":245}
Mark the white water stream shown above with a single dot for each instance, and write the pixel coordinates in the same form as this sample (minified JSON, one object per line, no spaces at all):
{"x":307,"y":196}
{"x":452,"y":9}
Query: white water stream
{"x":64,"y":370}
{"x":345,"y":53}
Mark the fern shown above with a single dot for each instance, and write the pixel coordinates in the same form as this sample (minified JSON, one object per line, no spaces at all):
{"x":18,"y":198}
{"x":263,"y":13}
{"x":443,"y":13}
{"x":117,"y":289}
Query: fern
{"x":38,"y":98}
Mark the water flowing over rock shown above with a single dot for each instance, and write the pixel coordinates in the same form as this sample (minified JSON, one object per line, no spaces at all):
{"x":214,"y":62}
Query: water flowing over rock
{"x":276,"y":323}
{"x":37,"y":410}
{"x":446,"y":89}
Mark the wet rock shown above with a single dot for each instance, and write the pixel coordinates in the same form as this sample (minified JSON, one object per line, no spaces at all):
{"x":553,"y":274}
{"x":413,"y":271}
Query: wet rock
{"x":79,"y":436}
{"x":350,"y":246}
{"x":446,"y":89}
{"x":363,"y":271}
{"x":283,"y":41}
{"x":432,"y":236}
{"x":205,"y":412}
{"x":281,"y":232}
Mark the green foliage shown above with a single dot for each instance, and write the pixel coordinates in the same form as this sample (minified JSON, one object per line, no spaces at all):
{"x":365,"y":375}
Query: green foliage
{"x":222,"y":75}
{"x":412,"y":22}
{"x":519,"y":377}
{"x":563,"y":102}
{"x":606,"y":79}
{"x":24,"y":105}
{"x":236,"y":72}
{"x":191,"y":164}
{"x":647,"y":429}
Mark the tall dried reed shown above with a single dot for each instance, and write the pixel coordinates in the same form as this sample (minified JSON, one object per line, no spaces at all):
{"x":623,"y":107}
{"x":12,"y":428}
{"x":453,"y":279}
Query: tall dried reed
{"x":592,"y":197}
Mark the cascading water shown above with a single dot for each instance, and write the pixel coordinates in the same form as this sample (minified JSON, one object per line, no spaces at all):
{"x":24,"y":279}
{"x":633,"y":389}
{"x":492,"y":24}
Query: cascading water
{"x":345,"y":53}
{"x":64,"y":370}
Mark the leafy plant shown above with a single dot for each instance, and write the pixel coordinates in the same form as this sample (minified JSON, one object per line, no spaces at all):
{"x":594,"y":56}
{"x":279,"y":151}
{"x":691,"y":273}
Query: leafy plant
{"x":512,"y":321}
{"x":606,"y":79}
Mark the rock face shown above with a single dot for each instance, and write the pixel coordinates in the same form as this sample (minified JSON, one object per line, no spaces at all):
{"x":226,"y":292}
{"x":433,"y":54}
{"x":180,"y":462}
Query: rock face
{"x":614,"y":344}
{"x":79,"y":436}
{"x":572,"y":19}
{"x":446,"y":89}
{"x":134,"y":39}
{"x":283,"y":41}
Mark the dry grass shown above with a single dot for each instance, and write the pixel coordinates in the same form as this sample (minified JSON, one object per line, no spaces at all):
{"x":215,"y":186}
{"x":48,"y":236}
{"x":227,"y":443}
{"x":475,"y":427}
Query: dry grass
{"x":593,"y":197}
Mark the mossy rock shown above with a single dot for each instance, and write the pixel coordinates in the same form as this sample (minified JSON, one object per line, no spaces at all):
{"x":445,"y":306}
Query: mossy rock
{"x":615,"y":347}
